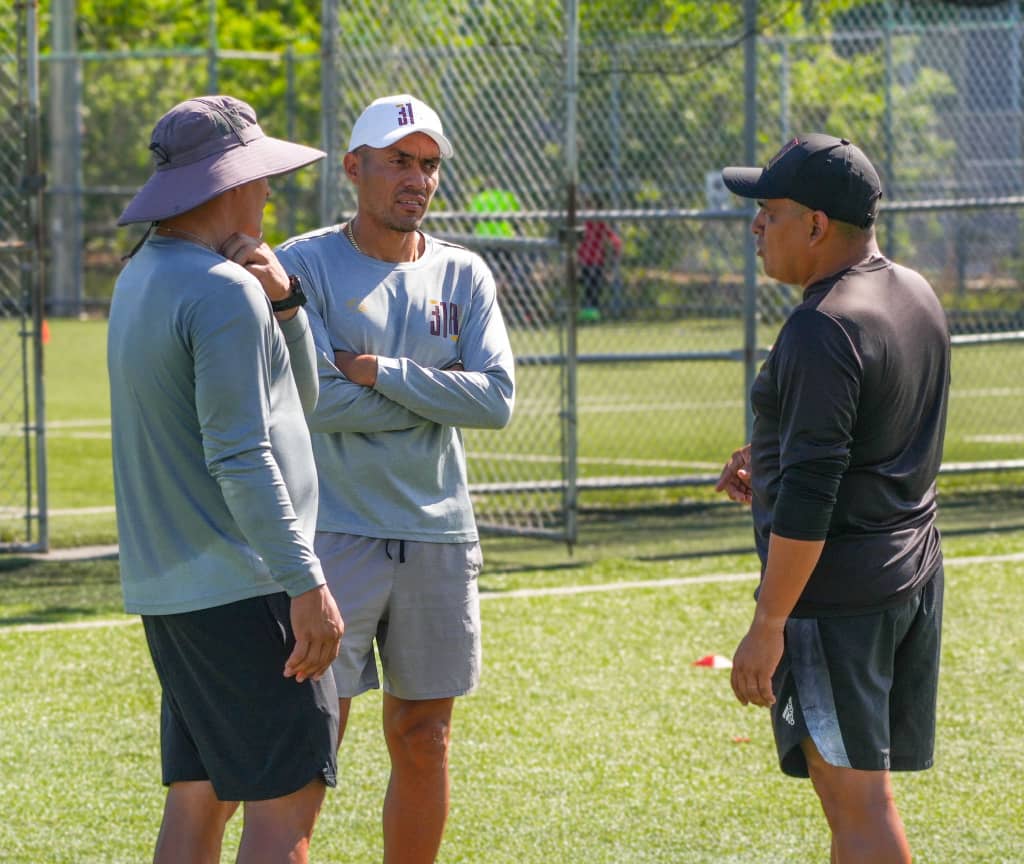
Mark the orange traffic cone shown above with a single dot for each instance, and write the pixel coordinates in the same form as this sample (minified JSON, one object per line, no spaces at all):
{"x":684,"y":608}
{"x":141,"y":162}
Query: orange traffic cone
{"x":714,"y":661}
{"x":45,"y":332}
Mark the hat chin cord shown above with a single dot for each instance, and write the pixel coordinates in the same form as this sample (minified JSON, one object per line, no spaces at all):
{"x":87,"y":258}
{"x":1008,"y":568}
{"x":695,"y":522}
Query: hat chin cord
{"x":187,"y":235}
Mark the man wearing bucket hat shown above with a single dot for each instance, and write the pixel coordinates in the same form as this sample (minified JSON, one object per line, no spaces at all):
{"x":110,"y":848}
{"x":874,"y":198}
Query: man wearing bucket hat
{"x":216,"y":491}
{"x":849,"y":418}
{"x":411,"y":346}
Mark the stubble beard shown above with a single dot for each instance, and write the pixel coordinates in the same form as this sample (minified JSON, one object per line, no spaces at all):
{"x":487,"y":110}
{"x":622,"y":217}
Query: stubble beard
{"x":406,"y":226}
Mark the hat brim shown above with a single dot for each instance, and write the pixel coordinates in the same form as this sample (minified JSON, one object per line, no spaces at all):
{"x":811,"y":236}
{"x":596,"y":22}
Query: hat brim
{"x":178,"y":190}
{"x":749,"y":183}
{"x":396,"y":135}
{"x":442,"y":142}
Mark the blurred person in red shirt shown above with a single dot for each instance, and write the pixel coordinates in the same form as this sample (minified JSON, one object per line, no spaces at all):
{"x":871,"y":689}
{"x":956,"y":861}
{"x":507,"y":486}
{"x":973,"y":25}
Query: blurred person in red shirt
{"x":598,"y":238}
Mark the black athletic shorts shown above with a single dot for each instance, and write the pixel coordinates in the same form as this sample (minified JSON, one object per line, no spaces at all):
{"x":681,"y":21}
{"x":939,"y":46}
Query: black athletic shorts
{"x":228,"y":714}
{"x":862,"y":687}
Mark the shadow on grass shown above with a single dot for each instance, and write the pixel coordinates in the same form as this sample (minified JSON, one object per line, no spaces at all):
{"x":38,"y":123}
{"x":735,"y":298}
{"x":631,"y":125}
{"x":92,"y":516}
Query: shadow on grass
{"x":695,"y":530}
{"x":680,"y":531}
{"x":996,"y":510}
{"x":34,"y":591}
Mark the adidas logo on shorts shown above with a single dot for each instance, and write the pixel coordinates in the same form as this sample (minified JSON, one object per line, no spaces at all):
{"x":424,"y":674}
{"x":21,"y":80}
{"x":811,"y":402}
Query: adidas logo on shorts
{"x":787,"y":713}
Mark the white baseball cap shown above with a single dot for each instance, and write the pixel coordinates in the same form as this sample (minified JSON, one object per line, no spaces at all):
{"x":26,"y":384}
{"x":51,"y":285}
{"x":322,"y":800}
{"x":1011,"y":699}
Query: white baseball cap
{"x":391,"y":118}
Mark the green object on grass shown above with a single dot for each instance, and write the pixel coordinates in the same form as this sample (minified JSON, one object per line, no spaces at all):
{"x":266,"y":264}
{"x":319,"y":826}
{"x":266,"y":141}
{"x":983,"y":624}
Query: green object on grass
{"x":494,"y":200}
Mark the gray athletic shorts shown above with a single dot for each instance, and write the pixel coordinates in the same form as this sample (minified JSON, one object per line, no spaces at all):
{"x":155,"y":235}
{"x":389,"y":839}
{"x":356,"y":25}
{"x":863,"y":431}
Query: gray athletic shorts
{"x":862,"y":687}
{"x":419,"y":601}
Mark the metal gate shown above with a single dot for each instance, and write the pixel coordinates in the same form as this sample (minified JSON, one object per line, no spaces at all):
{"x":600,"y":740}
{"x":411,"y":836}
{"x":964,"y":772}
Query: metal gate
{"x":23,"y":524}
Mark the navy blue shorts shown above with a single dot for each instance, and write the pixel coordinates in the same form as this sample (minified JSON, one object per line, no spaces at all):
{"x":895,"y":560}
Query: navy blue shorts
{"x":862,"y":687}
{"x":228,"y":714}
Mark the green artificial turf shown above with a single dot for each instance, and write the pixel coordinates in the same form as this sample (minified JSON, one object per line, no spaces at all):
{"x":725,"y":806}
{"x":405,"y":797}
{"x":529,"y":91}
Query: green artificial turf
{"x":593,"y":738}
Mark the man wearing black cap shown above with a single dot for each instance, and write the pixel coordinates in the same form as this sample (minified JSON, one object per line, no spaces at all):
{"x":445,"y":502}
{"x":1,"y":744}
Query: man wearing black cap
{"x":212,"y":369}
{"x":849,"y":417}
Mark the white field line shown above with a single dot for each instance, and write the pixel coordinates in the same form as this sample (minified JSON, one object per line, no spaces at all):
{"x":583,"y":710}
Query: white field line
{"x":18,"y":512}
{"x":71,"y":625}
{"x":558,"y":591}
{"x":586,"y":403}
{"x":100,"y":428}
{"x":565,"y":590}
{"x":83,"y":423}
{"x":78,"y":424}
{"x":627,"y":403}
{"x":592,"y":460}
{"x":623,"y":406}
{"x":532,"y":407}
{"x":984,"y":392}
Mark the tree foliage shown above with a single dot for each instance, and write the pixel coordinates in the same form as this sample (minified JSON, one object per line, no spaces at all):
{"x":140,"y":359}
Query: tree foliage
{"x":140,"y":59}
{"x":660,"y":98}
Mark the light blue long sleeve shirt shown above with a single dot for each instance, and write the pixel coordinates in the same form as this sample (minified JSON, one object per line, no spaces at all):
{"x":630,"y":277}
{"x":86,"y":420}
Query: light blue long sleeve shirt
{"x":214,"y":476}
{"x":390,"y":458}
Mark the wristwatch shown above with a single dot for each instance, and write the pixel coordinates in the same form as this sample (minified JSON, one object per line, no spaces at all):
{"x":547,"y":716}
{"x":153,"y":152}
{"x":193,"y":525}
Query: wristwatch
{"x":296,"y":298}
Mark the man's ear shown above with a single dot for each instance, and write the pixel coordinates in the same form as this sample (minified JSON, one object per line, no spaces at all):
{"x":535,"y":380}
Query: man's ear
{"x":350,"y":163}
{"x":819,"y":225}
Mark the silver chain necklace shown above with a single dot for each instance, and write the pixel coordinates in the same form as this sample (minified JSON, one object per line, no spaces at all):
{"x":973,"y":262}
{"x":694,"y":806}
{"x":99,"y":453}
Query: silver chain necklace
{"x":188,"y":235}
{"x":352,"y":237}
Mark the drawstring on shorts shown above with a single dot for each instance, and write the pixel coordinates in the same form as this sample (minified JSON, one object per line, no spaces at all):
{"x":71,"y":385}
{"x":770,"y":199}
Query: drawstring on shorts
{"x":401,"y":551}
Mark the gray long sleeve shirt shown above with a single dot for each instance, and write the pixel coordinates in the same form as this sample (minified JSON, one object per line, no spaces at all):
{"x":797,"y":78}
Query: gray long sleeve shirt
{"x":213,"y":468}
{"x":390,"y":458}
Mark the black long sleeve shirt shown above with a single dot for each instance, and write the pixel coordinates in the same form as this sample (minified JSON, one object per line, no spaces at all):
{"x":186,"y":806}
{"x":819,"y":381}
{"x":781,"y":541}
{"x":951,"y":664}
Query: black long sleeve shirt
{"x":849,"y":419}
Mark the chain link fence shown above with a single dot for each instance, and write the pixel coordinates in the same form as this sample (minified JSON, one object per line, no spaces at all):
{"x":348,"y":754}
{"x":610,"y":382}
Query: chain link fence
{"x":621,"y":261}
{"x":22,"y":451}
{"x":589,"y":137}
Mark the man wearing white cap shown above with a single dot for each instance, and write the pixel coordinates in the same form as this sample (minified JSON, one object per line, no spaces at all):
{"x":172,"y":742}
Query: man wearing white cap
{"x":216,"y":491}
{"x":411,"y":346}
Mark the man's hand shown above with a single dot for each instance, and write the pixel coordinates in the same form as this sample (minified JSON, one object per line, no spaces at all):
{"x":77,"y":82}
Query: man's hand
{"x":358,"y":368}
{"x":786,"y":573}
{"x":735,"y":478}
{"x":318,"y":628}
{"x":755,"y":662}
{"x":259,"y":259}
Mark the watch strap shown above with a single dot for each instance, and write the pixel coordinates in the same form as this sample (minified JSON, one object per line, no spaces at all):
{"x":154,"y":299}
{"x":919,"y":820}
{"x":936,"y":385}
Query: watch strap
{"x":296,"y":298}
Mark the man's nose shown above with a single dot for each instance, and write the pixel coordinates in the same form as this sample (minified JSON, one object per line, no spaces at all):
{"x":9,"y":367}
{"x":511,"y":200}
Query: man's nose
{"x":419,"y":177}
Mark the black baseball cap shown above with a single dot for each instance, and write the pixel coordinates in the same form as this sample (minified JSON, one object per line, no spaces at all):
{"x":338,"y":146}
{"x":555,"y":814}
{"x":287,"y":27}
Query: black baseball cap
{"x":820,"y":172}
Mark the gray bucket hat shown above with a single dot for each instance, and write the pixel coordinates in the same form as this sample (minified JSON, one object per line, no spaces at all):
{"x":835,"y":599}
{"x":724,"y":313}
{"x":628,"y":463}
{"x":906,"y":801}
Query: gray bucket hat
{"x":203,"y":147}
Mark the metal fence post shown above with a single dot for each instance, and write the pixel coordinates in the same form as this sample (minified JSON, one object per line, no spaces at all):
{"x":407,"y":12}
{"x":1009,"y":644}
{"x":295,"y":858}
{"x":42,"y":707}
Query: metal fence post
{"x":290,"y":109}
{"x":35,"y":273}
{"x":65,"y":169}
{"x":212,"y":80}
{"x":749,"y":252}
{"x":23,"y":507}
{"x":329,"y":37}
{"x":570,"y":409}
